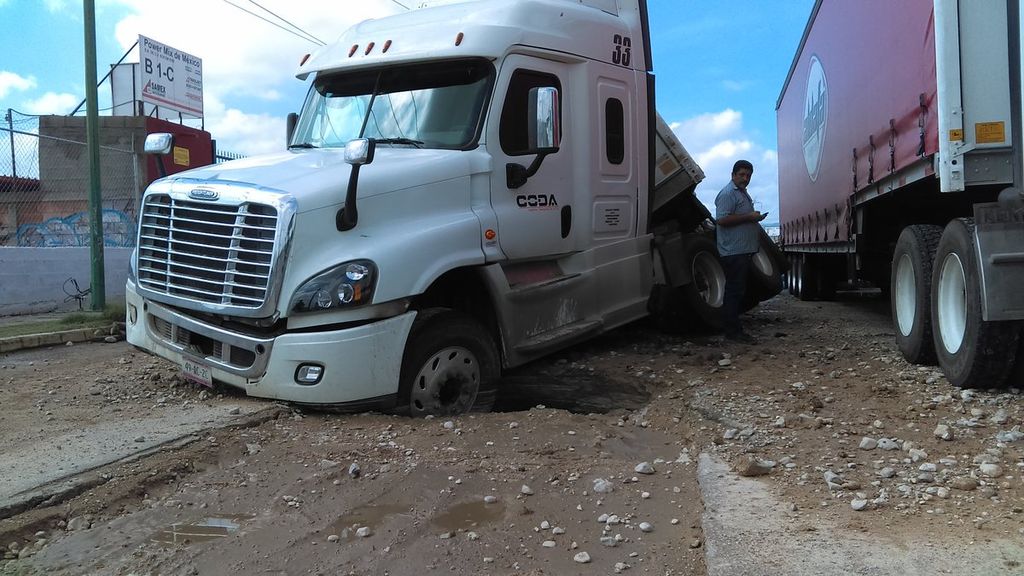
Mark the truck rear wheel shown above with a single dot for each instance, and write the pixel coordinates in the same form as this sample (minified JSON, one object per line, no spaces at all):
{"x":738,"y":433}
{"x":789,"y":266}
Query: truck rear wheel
{"x":765,"y":273}
{"x":972,"y":353}
{"x":704,"y":295}
{"x":911,"y":291}
{"x":450,"y":366}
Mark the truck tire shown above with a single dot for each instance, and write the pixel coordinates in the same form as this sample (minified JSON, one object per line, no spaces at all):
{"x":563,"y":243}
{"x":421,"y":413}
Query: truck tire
{"x":911,"y":292}
{"x":703,"y":296}
{"x":791,"y":275}
{"x":765,"y":273}
{"x":804,"y":278}
{"x":450,"y":366}
{"x":972,"y":353}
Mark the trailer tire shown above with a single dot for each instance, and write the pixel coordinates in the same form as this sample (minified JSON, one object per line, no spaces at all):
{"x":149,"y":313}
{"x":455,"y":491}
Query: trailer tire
{"x":971,"y":352}
{"x":703,"y":296}
{"x":804,"y":278}
{"x":911,"y":292}
{"x":450,"y":366}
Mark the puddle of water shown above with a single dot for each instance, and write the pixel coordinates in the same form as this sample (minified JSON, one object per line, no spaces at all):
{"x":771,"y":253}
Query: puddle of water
{"x":369,"y":516}
{"x":469,"y":515}
{"x":208,"y":529}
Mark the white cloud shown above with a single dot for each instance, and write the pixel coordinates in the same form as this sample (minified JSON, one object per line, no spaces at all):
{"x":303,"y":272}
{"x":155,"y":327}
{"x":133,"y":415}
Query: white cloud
{"x":244,"y":133}
{"x":56,"y":6}
{"x":716,"y":141}
{"x":243,"y":56}
{"x":9,"y":82}
{"x":52,"y":103}
{"x":735,"y":85}
{"x":248,"y":64}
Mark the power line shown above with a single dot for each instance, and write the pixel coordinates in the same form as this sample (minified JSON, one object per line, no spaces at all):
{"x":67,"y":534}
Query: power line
{"x":267,"y":10}
{"x":306,"y":38}
{"x":400,"y":4}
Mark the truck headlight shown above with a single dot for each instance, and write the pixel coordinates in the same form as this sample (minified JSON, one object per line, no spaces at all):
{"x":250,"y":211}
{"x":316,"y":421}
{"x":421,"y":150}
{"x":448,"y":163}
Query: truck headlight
{"x":346,"y":285}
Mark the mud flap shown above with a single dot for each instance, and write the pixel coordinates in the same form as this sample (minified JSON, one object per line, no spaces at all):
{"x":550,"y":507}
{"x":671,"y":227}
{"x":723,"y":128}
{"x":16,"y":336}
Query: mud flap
{"x":999,"y":240}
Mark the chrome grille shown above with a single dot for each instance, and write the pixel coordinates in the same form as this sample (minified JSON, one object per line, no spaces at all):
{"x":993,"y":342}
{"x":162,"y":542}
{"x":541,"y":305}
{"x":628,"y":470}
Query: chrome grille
{"x":215,"y":253}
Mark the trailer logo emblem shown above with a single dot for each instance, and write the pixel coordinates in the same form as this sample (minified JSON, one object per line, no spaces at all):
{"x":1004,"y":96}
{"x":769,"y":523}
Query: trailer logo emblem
{"x":200,"y":194}
{"x":815,"y":117}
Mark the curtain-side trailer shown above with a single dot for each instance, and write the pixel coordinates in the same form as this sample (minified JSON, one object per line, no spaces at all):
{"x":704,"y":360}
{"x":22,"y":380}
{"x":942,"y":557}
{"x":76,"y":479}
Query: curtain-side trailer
{"x":899,"y":130}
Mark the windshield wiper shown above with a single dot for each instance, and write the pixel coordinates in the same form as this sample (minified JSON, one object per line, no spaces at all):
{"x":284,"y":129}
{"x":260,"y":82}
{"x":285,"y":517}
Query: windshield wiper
{"x":302,"y":145}
{"x":410,"y":141}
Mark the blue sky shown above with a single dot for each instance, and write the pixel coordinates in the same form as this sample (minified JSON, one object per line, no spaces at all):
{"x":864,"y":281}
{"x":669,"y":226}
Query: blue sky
{"x":720,"y":65}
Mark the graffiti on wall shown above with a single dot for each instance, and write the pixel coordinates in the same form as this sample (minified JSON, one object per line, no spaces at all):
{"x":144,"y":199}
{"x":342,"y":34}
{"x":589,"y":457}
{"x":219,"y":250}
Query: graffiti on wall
{"x":73,"y":230}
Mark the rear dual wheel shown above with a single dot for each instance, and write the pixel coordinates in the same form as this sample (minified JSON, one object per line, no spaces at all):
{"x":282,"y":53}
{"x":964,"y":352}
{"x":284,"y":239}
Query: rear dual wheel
{"x":971,"y":352}
{"x":911,"y":291}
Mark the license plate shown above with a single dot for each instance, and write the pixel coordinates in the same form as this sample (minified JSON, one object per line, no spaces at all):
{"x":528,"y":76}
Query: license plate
{"x":197,"y":372}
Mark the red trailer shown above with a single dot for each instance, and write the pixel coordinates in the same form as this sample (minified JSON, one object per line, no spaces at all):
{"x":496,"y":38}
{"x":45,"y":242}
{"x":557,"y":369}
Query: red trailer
{"x":899,"y":164}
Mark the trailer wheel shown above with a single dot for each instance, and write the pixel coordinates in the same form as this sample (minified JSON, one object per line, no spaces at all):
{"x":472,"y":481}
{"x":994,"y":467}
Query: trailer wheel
{"x":704,"y":295}
{"x":972,"y":353}
{"x":911,"y":291}
{"x":450,"y":366}
{"x":804,"y":277}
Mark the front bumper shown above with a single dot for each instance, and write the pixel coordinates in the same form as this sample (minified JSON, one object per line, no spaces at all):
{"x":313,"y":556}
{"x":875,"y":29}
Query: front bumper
{"x":359,"y":364}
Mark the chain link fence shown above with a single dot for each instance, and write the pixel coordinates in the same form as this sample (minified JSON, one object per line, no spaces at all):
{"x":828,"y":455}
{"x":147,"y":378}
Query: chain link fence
{"x":44,"y":180}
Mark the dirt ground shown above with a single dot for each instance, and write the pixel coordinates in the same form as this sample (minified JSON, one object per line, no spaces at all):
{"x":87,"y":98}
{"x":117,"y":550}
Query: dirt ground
{"x":525,"y":490}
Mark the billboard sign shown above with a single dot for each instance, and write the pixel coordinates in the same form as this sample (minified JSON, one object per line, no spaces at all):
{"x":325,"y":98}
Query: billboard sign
{"x":170,"y":78}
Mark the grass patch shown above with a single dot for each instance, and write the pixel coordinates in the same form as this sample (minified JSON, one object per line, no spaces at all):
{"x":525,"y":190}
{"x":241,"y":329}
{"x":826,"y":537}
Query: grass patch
{"x":112,"y":313}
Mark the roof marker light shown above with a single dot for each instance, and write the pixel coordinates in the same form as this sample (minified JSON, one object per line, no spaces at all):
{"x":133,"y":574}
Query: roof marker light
{"x":386,"y":46}
{"x":352,"y":50}
{"x":304,"y":58}
{"x":458,"y":39}
{"x":369,"y":48}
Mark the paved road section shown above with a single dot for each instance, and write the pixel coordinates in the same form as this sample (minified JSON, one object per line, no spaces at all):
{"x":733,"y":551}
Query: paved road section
{"x":749,"y":532}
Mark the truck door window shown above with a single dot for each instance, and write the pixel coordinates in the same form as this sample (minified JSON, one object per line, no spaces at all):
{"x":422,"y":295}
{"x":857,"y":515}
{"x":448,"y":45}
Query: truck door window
{"x":436,"y":105}
{"x":514,"y":121}
{"x":615,"y":131}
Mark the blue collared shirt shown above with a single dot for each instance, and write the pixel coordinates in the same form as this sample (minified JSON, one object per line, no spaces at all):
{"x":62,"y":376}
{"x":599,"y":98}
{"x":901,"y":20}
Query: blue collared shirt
{"x":742,"y":238}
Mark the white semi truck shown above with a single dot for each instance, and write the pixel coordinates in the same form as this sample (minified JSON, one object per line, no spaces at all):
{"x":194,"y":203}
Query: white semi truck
{"x":467,"y":188}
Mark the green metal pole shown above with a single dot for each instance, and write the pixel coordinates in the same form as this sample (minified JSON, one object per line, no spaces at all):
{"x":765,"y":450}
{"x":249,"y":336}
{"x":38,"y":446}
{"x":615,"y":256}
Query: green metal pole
{"x":92,"y":136}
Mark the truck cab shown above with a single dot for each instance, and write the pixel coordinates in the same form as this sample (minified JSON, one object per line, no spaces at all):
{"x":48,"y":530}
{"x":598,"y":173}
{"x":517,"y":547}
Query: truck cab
{"x":466,"y":188}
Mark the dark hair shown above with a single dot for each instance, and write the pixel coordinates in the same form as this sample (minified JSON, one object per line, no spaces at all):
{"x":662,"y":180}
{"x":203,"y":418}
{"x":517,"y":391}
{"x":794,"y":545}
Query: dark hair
{"x":741,"y":164}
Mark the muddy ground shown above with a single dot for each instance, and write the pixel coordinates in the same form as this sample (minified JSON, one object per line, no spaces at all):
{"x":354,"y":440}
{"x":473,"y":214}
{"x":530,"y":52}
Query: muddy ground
{"x":823,"y":413}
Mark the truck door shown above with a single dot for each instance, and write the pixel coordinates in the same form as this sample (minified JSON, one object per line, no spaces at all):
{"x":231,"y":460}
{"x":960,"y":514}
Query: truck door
{"x":535,"y":219}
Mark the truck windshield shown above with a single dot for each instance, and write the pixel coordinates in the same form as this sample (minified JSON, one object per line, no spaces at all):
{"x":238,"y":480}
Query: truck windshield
{"x":423,"y":105}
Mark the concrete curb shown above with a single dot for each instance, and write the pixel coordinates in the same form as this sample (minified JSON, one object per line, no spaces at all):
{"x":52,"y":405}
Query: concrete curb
{"x":13,"y":343}
{"x":60,"y":490}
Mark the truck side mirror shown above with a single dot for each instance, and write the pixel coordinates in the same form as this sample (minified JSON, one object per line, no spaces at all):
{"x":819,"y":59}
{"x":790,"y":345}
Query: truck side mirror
{"x":290,"y":123}
{"x":360,"y":151}
{"x":543,"y":129}
{"x":357,"y":153}
{"x":160,"y":144}
{"x":544,"y":134}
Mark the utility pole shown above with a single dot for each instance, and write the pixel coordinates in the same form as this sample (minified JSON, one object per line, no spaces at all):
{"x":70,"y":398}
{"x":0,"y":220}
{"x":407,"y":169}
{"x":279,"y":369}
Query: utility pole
{"x":10,"y":127}
{"x":92,"y":136}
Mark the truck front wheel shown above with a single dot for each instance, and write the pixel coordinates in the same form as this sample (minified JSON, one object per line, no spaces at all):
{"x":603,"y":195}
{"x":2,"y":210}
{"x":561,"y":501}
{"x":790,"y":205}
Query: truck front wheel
{"x":450,"y":366}
{"x":972,"y":353}
{"x":911,"y":291}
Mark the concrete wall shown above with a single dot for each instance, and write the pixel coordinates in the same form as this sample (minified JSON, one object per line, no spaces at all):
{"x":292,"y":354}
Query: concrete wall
{"x":32,"y":279}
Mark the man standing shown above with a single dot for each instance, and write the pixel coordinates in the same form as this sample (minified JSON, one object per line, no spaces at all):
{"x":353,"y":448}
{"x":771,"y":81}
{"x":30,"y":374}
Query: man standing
{"x":738,"y":234}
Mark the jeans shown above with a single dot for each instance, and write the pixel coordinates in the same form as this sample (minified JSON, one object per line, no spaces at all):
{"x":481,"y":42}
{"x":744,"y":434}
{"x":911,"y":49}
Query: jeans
{"x":736,"y":269}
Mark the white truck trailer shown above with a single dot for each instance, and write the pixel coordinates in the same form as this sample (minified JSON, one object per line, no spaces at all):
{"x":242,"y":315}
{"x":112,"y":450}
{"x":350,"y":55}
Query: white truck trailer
{"x":900,"y":163}
{"x":467,"y":188}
